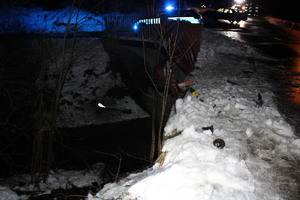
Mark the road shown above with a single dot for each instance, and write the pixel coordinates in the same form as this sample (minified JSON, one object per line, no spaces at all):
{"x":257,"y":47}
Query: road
{"x":279,"y":40}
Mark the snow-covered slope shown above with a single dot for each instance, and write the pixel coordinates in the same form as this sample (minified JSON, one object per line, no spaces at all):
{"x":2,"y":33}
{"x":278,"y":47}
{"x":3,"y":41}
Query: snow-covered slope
{"x":259,"y":160}
{"x":15,"y":19}
{"x":89,"y":82}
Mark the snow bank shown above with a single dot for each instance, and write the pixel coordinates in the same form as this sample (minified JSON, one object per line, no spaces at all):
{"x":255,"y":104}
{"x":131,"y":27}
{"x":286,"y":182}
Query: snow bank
{"x":7,"y":194}
{"x":194,"y":168}
{"x":59,"y":179}
{"x":260,"y":146}
{"x":36,"y":20}
{"x":62,"y":179}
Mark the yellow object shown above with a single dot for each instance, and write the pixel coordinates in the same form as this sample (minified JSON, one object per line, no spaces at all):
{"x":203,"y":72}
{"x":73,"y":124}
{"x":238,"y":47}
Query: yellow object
{"x":194,"y":92}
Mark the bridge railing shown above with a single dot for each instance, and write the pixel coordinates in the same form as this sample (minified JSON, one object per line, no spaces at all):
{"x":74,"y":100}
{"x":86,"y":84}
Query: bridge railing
{"x":122,"y":25}
{"x":182,"y":36}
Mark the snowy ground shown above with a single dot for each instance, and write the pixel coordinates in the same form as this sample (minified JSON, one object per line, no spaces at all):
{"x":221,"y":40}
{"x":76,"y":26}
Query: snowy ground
{"x":259,"y":160}
{"x":88,"y":83}
{"x":59,"y":179}
{"x":37,"y":20}
{"x":261,"y":154}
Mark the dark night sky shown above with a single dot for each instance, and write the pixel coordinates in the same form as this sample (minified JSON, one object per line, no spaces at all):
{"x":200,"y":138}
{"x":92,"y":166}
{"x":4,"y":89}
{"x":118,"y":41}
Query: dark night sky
{"x":286,"y":9}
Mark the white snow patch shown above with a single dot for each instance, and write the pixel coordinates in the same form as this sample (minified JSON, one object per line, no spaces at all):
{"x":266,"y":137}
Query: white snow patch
{"x":7,"y":194}
{"x":249,"y":132}
{"x":257,"y":138}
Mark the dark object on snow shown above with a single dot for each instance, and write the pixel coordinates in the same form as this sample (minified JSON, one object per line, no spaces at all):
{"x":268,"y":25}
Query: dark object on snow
{"x":219,"y":143}
{"x":247,"y":72}
{"x":259,"y":101}
{"x":211,"y":128}
{"x":231,"y":82}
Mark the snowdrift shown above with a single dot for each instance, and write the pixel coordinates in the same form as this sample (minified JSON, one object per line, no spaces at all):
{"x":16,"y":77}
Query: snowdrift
{"x":260,"y":146}
{"x":36,"y":20}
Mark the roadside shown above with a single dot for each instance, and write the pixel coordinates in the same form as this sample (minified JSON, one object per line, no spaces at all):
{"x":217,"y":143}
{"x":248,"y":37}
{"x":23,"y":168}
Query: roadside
{"x":278,"y":40}
{"x":260,"y":157}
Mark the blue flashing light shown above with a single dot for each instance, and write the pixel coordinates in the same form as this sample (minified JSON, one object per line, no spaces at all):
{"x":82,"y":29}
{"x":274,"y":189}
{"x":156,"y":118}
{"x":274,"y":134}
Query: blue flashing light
{"x":170,"y":8}
{"x":135,"y":27}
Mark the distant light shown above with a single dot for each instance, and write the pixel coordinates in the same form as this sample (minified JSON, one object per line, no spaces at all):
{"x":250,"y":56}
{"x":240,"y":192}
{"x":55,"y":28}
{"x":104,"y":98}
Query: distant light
{"x":170,"y":8}
{"x":135,"y":27}
{"x":239,"y":1}
{"x":101,"y":105}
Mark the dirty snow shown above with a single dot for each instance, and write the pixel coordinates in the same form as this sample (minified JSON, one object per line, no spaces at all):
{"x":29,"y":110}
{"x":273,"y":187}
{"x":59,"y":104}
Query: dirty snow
{"x":88,"y":83}
{"x":59,"y":179}
{"x":259,"y":160}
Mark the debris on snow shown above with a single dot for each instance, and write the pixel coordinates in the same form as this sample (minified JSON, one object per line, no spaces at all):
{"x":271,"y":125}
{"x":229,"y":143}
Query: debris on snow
{"x":258,"y":140}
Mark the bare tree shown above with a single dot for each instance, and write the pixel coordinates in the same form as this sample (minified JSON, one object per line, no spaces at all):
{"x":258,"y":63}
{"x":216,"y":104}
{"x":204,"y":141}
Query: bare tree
{"x":45,"y":129}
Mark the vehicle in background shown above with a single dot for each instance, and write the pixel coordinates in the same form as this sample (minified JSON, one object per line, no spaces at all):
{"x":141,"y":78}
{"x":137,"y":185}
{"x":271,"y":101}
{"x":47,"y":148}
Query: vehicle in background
{"x":234,"y":14}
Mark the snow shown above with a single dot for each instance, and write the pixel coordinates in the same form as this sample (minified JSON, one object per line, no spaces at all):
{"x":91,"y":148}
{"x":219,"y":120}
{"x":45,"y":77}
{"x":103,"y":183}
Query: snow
{"x":259,"y":160}
{"x":59,"y":179}
{"x":194,"y":168}
{"x":7,"y":194}
{"x":87,"y":84}
{"x":260,"y":144}
{"x":37,"y":20}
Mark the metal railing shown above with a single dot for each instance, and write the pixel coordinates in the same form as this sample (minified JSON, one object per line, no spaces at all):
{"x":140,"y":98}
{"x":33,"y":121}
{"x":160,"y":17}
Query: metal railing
{"x":124,"y":26}
{"x":184,"y":36}
{"x":120,"y":24}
